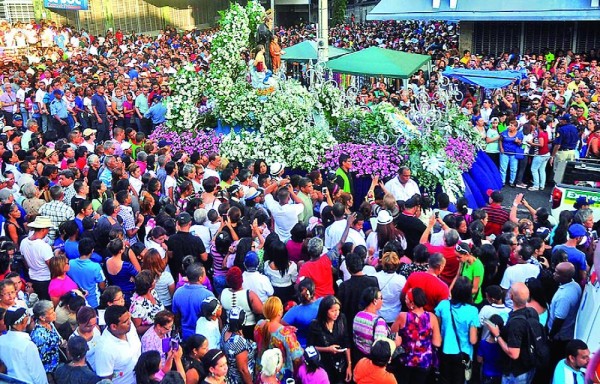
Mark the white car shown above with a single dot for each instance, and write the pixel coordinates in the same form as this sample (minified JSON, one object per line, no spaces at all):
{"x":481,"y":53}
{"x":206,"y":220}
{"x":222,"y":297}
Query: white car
{"x":575,"y":179}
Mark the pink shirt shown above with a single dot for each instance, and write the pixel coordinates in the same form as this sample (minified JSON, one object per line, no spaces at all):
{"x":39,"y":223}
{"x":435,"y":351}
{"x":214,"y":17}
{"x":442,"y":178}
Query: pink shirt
{"x":59,"y":287}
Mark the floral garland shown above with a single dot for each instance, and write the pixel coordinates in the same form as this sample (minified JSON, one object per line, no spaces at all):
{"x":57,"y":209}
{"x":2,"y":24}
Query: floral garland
{"x":182,"y":110}
{"x":368,"y":159}
{"x":302,"y":128}
{"x":189,"y":141}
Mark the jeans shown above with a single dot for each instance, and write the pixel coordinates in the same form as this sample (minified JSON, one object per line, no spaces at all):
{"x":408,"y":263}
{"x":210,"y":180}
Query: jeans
{"x":538,"y":170}
{"x":505,"y":161}
{"x":24,"y":115}
{"x":219,"y":284}
{"x":524,"y":378}
{"x":522,"y":167}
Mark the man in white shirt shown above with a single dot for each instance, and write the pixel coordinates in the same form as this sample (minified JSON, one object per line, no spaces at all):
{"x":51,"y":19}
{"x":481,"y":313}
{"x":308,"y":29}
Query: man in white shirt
{"x":18,"y":352}
{"x":335,"y":231}
{"x":519,"y":272}
{"x":119,"y":349}
{"x":254,"y":280}
{"x":37,"y":254}
{"x":402,"y":187}
{"x":214,"y":161}
{"x":284,"y":214}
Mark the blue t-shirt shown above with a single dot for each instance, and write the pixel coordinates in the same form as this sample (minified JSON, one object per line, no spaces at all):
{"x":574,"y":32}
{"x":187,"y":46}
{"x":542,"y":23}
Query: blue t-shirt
{"x":465,"y":317}
{"x":72,"y":249}
{"x":187,"y":302}
{"x":492,"y":358}
{"x":567,"y":136}
{"x":300,"y":316}
{"x":508,"y":143}
{"x":563,"y":374}
{"x":87,"y":274}
{"x":576,"y":257}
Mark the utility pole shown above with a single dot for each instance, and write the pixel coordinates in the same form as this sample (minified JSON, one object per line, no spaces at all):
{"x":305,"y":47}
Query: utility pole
{"x":323,"y":32}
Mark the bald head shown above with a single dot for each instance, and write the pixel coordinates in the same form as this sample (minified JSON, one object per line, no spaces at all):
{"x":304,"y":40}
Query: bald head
{"x":564,"y":272}
{"x":520,"y":295}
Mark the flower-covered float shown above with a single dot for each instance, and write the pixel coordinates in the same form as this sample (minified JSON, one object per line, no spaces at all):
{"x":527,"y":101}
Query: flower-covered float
{"x":305,"y":128}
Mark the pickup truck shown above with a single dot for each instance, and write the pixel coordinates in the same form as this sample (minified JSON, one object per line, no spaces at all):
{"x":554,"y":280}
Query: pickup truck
{"x":574,"y":179}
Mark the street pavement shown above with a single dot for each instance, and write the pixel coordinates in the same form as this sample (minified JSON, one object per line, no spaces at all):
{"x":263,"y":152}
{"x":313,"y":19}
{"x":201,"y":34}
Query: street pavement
{"x":536,"y":199}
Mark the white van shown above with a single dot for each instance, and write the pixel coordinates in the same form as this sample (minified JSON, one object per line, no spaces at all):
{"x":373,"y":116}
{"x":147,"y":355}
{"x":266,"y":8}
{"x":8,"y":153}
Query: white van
{"x":574,"y":179}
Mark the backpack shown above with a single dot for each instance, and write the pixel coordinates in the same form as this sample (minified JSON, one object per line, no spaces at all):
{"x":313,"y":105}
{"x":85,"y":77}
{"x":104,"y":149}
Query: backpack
{"x":538,"y":354}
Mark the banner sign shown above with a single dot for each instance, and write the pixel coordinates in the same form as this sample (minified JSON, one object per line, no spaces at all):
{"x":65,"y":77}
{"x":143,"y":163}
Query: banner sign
{"x":72,"y":5}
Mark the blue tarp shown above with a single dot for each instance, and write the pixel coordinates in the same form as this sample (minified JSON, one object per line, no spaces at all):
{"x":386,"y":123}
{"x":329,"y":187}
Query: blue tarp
{"x":486,"y":79}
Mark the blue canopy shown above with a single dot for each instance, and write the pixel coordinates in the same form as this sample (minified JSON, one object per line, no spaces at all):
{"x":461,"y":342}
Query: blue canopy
{"x":486,"y":79}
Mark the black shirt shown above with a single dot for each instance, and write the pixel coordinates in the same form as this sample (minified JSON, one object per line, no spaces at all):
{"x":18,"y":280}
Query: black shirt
{"x":515,"y":335}
{"x":182,"y":244}
{"x":68,"y":374}
{"x":319,"y":336}
{"x":413,"y":229}
{"x":350,"y":294}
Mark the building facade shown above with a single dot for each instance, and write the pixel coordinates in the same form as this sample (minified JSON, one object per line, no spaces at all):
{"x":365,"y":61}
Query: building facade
{"x":501,"y":26}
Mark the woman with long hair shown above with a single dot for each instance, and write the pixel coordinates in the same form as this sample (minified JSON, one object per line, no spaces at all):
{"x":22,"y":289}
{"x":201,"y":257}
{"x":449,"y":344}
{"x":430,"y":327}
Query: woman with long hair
{"x":420,"y":332}
{"x":329,"y":334}
{"x":559,"y":232}
{"x":385,"y":231}
{"x":459,"y":322}
{"x":165,"y":285}
{"x":270,"y":333}
{"x":281,"y":271}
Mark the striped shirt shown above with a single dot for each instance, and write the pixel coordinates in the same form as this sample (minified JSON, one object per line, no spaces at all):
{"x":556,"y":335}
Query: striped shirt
{"x":365,"y":331}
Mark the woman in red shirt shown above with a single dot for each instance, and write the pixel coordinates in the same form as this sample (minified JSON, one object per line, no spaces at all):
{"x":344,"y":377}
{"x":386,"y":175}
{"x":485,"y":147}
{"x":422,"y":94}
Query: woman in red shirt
{"x":541,"y":156}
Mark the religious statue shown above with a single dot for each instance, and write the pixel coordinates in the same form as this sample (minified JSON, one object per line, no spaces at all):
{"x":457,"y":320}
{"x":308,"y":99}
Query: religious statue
{"x":264,"y":35}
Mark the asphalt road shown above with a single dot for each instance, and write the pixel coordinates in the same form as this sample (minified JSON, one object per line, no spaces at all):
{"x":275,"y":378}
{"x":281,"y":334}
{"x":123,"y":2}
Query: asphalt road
{"x":536,"y":199}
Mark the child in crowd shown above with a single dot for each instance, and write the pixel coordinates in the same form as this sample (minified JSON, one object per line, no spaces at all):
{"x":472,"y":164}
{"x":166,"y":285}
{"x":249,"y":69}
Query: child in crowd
{"x":208,"y":323}
{"x":489,"y":354}
{"x":311,"y":371}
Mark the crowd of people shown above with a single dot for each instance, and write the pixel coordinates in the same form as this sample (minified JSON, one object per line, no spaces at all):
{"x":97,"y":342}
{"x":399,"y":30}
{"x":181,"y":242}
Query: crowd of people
{"x":124,"y":260}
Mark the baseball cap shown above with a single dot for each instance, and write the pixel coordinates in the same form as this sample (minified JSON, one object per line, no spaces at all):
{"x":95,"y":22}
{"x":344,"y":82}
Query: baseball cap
{"x":566,"y":117}
{"x":184,"y":218}
{"x":163,"y":143}
{"x":7,"y":128}
{"x":88,"y":132}
{"x":581,"y":201}
{"x":462,"y":248}
{"x":209,"y":306}
{"x":18,"y":118}
{"x":57,"y":92}
{"x":411,"y":203}
{"x":125,"y":145}
{"x":496,"y":195}
{"x":14,"y":315}
{"x":251,"y":261}
{"x":577,"y":230}
{"x":233,"y":189}
{"x":236,"y":318}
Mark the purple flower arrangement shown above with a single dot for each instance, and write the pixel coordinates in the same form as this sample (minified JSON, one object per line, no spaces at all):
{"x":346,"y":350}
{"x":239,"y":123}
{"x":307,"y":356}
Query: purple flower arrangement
{"x":188,"y":141}
{"x":461,"y":153}
{"x":368,"y":159}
